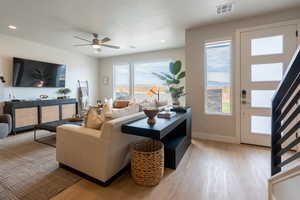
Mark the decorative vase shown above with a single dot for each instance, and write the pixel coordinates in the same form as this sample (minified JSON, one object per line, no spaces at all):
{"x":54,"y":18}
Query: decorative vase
{"x":151,"y":113}
{"x":175,"y":101}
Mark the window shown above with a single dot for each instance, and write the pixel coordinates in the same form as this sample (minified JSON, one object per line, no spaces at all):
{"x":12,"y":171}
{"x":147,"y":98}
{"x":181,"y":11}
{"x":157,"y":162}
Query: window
{"x":266,"y":72}
{"x":121,"y":82}
{"x":267,"y":45}
{"x":144,"y":80}
{"x":137,"y":79}
{"x":218,"y":77}
{"x":261,"y":124}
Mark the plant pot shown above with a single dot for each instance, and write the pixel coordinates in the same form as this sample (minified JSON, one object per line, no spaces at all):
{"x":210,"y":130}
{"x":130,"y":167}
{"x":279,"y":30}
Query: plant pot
{"x":63,"y":97}
{"x":175,"y":101}
{"x":151,"y":113}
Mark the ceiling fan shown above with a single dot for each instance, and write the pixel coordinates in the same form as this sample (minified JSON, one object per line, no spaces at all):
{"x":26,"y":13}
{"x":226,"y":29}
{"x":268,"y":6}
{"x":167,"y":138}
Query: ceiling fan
{"x":96,"y":43}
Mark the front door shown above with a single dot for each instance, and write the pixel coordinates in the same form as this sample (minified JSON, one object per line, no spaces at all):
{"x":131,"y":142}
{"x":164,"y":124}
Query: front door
{"x":265,"y":55}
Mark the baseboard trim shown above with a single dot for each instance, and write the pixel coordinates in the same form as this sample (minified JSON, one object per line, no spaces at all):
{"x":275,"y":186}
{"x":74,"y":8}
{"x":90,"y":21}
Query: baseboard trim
{"x":214,"y":137}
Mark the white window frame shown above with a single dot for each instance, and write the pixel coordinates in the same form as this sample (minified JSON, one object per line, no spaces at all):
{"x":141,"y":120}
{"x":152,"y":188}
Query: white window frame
{"x":114,"y":78}
{"x":216,"y":41}
{"x":131,"y":73}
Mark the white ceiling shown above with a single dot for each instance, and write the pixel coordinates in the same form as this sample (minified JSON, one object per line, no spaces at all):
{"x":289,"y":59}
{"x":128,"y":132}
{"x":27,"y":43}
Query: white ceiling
{"x":139,"y":23}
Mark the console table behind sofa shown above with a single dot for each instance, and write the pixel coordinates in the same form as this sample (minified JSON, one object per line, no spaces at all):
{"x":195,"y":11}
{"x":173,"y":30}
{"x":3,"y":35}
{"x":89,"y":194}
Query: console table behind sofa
{"x":27,"y":114}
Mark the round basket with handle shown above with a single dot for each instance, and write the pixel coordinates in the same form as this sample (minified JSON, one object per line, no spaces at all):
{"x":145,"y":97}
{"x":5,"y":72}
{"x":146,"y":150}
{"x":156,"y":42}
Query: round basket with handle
{"x":147,"y":162}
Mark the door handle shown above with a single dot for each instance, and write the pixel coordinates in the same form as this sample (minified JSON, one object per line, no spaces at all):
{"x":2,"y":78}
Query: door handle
{"x":244,"y":97}
{"x":244,"y":94}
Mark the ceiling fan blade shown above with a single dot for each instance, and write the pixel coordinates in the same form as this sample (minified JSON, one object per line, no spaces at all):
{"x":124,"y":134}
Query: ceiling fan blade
{"x":82,"y":39}
{"x":106,"y":39}
{"x":80,"y":45}
{"x":110,"y":46}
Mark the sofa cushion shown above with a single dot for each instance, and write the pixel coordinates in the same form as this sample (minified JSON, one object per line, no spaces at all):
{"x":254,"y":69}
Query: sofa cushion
{"x":117,"y":113}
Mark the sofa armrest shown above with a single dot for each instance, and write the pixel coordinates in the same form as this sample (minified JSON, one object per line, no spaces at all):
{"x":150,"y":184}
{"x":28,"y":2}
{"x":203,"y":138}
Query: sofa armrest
{"x":75,"y":129}
{"x":109,"y":126}
{"x":82,"y":149}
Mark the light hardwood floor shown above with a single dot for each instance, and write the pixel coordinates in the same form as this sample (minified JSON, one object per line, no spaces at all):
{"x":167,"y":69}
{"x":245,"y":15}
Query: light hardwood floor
{"x":208,"y":171}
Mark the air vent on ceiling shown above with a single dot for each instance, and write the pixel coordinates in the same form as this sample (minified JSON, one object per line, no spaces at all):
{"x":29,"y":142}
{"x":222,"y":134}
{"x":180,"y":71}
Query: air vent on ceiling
{"x":224,"y":8}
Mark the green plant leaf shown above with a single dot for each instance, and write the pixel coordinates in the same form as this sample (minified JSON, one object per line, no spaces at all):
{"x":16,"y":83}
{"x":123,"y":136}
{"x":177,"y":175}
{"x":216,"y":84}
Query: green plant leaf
{"x":175,"y":67}
{"x":181,"y":75}
{"x":167,"y":75}
{"x":160,"y":76}
{"x":169,"y":82}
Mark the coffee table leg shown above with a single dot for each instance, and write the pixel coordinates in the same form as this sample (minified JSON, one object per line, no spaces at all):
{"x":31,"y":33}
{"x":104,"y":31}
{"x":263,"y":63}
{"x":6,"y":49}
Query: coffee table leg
{"x":34,"y":134}
{"x":38,"y":140}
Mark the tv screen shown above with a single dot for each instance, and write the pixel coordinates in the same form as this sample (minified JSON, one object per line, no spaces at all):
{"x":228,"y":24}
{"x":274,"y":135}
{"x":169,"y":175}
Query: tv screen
{"x":30,"y":73}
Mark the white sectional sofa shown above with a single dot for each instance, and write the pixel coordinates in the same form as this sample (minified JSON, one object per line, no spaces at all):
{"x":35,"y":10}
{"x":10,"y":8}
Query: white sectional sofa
{"x":100,"y":154}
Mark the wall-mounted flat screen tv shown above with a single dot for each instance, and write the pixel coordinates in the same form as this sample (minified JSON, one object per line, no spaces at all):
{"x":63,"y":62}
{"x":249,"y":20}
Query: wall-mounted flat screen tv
{"x":30,"y":73}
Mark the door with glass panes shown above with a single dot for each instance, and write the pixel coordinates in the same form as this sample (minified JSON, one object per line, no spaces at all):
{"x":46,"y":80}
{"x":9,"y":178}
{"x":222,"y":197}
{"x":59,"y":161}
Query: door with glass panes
{"x":265,"y":55}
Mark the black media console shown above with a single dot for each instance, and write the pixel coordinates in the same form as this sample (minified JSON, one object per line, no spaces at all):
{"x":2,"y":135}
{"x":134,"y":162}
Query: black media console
{"x":27,"y":114}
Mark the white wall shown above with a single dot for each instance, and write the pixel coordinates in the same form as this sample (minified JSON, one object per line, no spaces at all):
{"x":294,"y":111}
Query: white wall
{"x":287,"y":190}
{"x":79,"y":67}
{"x":106,"y":65}
{"x":218,"y":126}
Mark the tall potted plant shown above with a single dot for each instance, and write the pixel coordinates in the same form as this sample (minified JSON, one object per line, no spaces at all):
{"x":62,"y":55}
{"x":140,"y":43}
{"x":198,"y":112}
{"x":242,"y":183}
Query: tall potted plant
{"x":173,"y":80}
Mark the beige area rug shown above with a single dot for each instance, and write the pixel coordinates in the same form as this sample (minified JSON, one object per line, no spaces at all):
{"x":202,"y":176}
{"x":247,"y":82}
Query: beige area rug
{"x":29,"y":171}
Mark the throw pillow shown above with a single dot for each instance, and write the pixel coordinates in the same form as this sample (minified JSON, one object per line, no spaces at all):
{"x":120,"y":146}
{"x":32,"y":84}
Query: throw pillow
{"x":93,"y":119}
{"x":120,"y":104}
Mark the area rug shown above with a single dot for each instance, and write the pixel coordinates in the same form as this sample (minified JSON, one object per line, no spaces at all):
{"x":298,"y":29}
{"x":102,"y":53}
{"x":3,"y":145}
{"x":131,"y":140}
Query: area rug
{"x":48,"y":140}
{"x":29,"y":171}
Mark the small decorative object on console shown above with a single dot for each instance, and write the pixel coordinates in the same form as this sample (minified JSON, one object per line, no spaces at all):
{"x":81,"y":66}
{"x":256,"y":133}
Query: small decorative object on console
{"x":43,"y":96}
{"x":63,"y":91}
{"x":180,"y":109}
{"x":154,"y":91}
{"x":151,"y":113}
{"x":166,"y":114}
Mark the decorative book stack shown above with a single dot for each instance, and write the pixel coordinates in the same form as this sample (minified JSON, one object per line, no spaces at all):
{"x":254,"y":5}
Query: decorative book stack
{"x":165,"y":114}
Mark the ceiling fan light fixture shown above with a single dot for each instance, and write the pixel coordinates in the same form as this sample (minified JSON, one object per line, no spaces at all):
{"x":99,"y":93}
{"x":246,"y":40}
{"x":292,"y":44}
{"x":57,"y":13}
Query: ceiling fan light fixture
{"x":12,"y":27}
{"x":96,"y":46}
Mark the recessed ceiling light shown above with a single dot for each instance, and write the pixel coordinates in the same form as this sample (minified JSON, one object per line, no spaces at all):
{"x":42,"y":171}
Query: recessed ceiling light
{"x":163,"y":41}
{"x":12,"y":27}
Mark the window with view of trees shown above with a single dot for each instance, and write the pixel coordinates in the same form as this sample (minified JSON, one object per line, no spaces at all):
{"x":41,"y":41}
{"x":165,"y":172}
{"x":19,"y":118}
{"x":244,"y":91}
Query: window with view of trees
{"x":138,"y":78}
{"x":218,"y":77}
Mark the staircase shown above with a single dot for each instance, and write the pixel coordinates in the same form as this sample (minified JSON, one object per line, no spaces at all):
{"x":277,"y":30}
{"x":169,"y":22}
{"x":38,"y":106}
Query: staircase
{"x":285,"y":181}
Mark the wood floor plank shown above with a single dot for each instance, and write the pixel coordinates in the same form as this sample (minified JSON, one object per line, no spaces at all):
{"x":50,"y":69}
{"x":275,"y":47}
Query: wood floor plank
{"x":208,"y":171}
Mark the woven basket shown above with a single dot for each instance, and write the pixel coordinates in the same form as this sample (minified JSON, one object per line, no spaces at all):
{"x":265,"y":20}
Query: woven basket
{"x":147,"y":162}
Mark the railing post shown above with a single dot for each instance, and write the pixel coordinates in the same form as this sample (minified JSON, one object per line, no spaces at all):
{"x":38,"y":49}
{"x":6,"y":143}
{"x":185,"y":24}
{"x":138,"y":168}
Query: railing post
{"x":275,"y":160}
